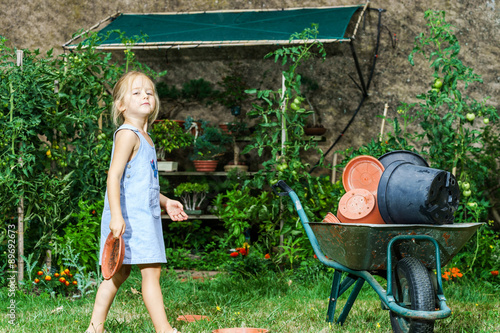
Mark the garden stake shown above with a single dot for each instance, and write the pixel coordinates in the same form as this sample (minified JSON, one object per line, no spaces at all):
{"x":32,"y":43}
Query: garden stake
{"x":383,"y":122}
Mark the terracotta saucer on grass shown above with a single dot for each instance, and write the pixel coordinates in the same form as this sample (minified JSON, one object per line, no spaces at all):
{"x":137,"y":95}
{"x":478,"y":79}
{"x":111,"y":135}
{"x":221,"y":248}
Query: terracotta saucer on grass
{"x":241,"y":330}
{"x":191,"y":318}
{"x":112,"y":256}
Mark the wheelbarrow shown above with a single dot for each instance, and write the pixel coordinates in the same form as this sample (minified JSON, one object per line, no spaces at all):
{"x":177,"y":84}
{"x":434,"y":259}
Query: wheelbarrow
{"x":408,"y":256}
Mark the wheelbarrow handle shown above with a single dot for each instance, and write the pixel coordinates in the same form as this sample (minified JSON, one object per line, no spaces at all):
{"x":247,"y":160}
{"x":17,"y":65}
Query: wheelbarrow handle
{"x":282,"y":185}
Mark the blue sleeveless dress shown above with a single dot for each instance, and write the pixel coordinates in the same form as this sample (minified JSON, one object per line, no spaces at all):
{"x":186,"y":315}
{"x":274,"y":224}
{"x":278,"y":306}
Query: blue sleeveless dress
{"x":140,"y":204}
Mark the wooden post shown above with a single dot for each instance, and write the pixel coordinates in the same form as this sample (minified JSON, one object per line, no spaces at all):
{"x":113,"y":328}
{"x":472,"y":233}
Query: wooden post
{"x":283,"y":140}
{"x":20,"y":208}
{"x":334,"y":168}
{"x":383,"y":122}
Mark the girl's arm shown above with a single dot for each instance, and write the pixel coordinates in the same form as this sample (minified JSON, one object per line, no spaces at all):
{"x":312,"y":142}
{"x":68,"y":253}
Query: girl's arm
{"x":126,"y":142}
{"x":173,"y":208}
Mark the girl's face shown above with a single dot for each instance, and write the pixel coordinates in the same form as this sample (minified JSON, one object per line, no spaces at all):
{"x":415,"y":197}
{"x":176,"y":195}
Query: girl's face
{"x":139,"y":100}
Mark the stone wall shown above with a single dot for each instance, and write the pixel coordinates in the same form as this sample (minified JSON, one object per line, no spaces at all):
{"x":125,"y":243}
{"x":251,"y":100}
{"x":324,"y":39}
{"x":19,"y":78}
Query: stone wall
{"x":48,"y":24}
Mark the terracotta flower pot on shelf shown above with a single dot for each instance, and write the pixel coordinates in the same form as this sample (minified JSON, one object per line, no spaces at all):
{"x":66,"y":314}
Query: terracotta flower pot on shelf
{"x":314,"y":130}
{"x":205,"y":165}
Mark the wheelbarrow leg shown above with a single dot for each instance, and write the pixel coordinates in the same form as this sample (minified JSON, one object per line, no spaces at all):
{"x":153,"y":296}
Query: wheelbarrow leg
{"x":337,"y":290}
{"x":350,"y":301}
{"x":332,"y":302}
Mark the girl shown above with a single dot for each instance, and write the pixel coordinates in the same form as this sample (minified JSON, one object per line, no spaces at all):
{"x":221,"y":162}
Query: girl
{"x":133,"y":200}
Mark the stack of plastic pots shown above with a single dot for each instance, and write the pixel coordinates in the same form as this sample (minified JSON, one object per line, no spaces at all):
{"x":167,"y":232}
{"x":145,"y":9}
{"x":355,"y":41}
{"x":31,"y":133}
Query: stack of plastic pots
{"x":361,"y":178}
{"x":410,"y":192}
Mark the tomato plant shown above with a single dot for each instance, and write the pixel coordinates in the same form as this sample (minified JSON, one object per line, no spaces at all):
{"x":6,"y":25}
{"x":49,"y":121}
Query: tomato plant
{"x":280,"y":135}
{"x":52,"y":150}
{"x":446,"y":114}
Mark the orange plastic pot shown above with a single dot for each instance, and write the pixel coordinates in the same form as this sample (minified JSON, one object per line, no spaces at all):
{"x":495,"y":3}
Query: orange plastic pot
{"x":362,"y":172}
{"x":359,"y":206}
{"x":241,"y":330}
{"x":330,"y":218}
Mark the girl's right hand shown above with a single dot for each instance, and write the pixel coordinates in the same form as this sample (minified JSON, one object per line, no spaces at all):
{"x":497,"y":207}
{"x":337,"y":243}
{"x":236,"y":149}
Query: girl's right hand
{"x":117,"y":226}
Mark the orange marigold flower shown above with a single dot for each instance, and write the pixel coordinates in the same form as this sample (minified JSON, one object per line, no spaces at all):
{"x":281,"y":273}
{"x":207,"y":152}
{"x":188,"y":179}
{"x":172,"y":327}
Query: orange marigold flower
{"x":66,"y":271}
{"x":39,"y":273}
{"x":56,"y":274}
{"x":243,"y":251}
{"x":267,"y":256}
{"x":48,"y":278}
{"x":75,"y":283}
{"x":494,"y":273}
{"x":37,"y":280}
{"x":66,"y":283}
{"x":62,"y":280}
{"x":234,"y":254}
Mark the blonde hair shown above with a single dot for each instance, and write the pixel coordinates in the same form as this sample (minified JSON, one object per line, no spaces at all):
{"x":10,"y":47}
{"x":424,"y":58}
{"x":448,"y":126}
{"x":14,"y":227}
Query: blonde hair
{"x":119,"y":92}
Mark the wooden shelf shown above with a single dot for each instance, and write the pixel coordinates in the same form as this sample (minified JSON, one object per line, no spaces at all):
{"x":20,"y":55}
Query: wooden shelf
{"x":194,"y":217}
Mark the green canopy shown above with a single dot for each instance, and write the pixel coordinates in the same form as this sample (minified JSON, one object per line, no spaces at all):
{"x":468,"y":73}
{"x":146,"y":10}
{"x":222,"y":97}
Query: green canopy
{"x":223,"y":28}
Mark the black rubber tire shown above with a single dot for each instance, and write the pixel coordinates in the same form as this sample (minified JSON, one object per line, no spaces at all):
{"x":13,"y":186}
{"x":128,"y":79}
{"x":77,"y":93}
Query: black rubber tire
{"x":413,"y":289}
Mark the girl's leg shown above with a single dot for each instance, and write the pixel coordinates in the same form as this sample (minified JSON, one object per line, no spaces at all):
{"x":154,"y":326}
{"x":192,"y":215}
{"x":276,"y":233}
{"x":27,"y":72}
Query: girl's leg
{"x":104,"y":297}
{"x":153,"y":299}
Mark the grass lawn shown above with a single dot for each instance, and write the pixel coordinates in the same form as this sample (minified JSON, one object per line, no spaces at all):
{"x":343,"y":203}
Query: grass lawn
{"x":271,"y":301}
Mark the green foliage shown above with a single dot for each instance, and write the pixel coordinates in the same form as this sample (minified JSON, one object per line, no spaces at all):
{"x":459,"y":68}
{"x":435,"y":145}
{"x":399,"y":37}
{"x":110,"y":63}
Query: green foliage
{"x":452,"y":134}
{"x":87,"y":280}
{"x":233,"y":90}
{"x":189,"y":234}
{"x":248,"y":265}
{"x":166,"y":91}
{"x":168,"y":136}
{"x":192,"y":194}
{"x":211,"y":259}
{"x":480,"y":256}
{"x":280,"y":134}
{"x":84,"y":234}
{"x":212,"y":142}
{"x":240,"y":210}
{"x":198,"y":90}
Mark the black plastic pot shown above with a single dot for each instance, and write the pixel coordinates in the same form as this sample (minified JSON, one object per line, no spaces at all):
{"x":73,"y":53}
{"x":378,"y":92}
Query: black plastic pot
{"x":414,"y":194}
{"x":402,"y":155}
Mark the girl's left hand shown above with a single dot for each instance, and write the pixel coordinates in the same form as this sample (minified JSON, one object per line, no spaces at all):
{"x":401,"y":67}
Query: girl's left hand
{"x":175,"y":210}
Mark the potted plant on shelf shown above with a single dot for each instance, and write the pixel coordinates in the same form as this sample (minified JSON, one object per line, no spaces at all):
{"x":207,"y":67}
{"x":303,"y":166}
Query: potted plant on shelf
{"x":310,"y":86}
{"x":236,"y":129}
{"x":233,"y":93}
{"x":207,"y":147}
{"x":168,"y":136}
{"x":192,"y":196}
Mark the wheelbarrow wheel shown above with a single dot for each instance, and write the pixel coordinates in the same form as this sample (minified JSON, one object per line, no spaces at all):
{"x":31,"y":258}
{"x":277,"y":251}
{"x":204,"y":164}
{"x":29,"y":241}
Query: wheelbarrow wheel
{"x":412,"y":289}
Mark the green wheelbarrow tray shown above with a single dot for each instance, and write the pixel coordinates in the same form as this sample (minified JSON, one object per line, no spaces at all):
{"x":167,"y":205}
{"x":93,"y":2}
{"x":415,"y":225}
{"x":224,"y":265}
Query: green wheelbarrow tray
{"x":362,"y":249}
{"x":364,"y":246}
